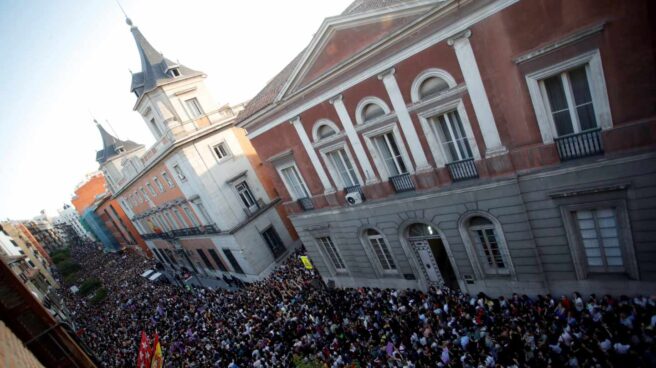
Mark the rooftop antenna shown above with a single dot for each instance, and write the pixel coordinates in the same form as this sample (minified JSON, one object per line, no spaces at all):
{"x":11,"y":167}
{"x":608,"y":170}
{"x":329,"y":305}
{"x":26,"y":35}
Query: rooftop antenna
{"x":127,"y":19}
{"x":112,"y":128}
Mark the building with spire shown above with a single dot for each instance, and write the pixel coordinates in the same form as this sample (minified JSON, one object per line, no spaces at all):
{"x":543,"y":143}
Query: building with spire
{"x":198,"y":196}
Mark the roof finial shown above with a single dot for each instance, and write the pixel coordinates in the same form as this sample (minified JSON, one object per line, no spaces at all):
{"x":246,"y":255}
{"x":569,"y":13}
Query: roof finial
{"x":127,"y":19}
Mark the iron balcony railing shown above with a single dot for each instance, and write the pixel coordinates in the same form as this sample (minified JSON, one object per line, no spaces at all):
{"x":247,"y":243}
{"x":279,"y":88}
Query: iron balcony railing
{"x":357,"y":188}
{"x":462,"y":170}
{"x":306,"y":203}
{"x":402,"y":183}
{"x":189,"y":231}
{"x":578,"y":145}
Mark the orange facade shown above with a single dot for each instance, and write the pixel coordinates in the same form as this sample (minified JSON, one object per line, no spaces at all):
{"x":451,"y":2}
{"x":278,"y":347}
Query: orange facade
{"x":86,"y":194}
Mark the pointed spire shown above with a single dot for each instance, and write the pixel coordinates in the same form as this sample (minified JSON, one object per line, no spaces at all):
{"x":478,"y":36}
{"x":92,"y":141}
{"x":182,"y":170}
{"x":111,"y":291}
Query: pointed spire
{"x":112,"y":146}
{"x":154,"y":66}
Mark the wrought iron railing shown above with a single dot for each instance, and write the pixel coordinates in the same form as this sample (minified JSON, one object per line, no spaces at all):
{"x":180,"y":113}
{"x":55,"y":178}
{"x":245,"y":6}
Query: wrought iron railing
{"x":178,"y":233}
{"x":463,"y":169}
{"x":402,"y":183}
{"x":578,"y":145}
{"x":306,"y":203}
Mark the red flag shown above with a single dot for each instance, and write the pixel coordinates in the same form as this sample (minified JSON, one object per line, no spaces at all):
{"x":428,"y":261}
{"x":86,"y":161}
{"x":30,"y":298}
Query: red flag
{"x":145,"y":353}
{"x":158,"y":359}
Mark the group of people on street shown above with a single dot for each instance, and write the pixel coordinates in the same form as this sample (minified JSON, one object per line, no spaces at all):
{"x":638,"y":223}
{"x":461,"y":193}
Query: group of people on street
{"x":291,"y":318}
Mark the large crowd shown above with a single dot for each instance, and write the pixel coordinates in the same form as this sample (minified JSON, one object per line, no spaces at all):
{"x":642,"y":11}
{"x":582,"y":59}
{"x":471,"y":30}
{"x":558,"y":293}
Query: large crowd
{"x":291,"y":317}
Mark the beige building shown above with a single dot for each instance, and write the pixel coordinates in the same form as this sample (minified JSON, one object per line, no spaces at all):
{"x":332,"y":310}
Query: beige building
{"x":32,"y":254}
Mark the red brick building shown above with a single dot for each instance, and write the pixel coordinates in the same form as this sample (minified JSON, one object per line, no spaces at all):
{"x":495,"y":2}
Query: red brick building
{"x":487,"y":145}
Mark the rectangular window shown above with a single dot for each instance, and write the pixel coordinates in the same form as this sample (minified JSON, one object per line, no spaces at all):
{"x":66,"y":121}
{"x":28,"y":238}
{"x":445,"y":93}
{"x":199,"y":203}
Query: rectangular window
{"x":217,"y":260}
{"x":233,"y":261}
{"x":274,"y":242}
{"x":170,"y":220}
{"x":570,"y":101}
{"x":151,"y":189}
{"x":293,"y":182}
{"x":390,"y":154}
{"x":382,"y":252}
{"x":178,"y":216}
{"x":330,"y":249}
{"x":488,"y":248}
{"x":205,"y":216}
{"x":168,"y":180}
{"x":246,"y":196}
{"x":143,"y":195}
{"x":342,"y":165}
{"x":221,"y":150}
{"x":203,"y":256}
{"x":159,"y":185}
{"x":598,"y":231}
{"x":451,"y":134}
{"x":179,"y":173}
{"x":191,"y":216}
{"x":194,"y":107}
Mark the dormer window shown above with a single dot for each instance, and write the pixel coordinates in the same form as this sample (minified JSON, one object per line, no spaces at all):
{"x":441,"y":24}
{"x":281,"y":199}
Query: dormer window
{"x":174,"y":72}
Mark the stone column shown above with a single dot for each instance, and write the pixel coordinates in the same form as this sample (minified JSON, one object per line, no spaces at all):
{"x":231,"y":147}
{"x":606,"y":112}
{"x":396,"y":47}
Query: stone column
{"x":472,"y":75}
{"x":352,"y":135}
{"x":405,"y":121}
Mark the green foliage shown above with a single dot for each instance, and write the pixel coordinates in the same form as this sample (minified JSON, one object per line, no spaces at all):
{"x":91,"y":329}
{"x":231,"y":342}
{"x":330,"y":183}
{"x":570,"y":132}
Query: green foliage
{"x":60,"y":255}
{"x":72,"y":278}
{"x":99,"y":296}
{"x":89,"y":285}
{"x":68,"y":267}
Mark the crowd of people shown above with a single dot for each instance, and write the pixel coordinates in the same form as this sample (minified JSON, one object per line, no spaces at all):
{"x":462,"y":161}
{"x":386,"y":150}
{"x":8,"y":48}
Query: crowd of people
{"x":291,"y":317}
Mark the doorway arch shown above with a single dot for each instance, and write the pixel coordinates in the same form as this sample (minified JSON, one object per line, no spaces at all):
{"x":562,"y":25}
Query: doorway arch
{"x":429,"y":249}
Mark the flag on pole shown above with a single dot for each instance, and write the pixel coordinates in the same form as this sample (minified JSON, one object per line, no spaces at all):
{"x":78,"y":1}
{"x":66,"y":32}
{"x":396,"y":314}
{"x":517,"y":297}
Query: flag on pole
{"x":158,"y":359}
{"x":143,"y":359}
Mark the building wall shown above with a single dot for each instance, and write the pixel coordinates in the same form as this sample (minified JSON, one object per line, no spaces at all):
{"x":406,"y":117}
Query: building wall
{"x":86,"y":193}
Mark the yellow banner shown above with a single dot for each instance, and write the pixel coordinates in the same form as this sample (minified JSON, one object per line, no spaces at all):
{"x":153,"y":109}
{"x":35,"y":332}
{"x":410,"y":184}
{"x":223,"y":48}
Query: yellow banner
{"x":306,"y":262}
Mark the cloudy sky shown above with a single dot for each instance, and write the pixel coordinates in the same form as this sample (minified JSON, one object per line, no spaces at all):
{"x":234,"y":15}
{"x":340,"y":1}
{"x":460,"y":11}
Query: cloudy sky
{"x":64,"y":61}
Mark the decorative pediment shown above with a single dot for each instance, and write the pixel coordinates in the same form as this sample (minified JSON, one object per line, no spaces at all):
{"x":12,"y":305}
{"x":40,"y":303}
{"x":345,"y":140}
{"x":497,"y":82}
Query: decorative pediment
{"x":343,"y":38}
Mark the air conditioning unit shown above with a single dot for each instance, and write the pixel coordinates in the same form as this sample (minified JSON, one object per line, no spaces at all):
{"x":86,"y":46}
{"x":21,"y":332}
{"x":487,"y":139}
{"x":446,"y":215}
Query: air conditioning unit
{"x":354,"y":198}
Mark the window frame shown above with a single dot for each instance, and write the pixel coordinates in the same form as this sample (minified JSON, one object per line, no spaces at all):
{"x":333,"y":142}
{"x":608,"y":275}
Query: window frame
{"x":225,"y":147}
{"x":151,"y":189}
{"x":246,"y":189}
{"x":159,"y":184}
{"x":359,"y":109}
{"x":424,"y":75}
{"x":178,"y":171}
{"x":197,"y":105}
{"x":168,"y":180}
{"x":334,"y":172}
{"x":292,"y":165}
{"x":429,"y":127}
{"x":473,"y":254}
{"x":376,"y":155}
{"x":266,"y":237}
{"x":373,"y":255}
{"x":321,"y":123}
{"x":596,"y":82}
{"x":624,"y":235}
{"x":328,"y":259}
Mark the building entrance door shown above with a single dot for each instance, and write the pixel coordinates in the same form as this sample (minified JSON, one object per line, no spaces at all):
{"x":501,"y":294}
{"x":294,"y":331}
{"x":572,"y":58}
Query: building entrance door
{"x":432,"y":255}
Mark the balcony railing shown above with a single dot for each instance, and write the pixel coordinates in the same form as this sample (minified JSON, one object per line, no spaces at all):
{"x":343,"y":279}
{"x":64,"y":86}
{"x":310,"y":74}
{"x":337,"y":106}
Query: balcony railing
{"x":462,"y":170}
{"x":354,"y":189}
{"x":178,"y":233}
{"x":402,"y":183}
{"x":306,"y":203}
{"x":578,"y":145}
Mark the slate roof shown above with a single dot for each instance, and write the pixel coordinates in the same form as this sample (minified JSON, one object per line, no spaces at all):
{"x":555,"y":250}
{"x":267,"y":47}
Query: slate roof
{"x":111,"y":145}
{"x":154,"y":66}
{"x":268,"y":94}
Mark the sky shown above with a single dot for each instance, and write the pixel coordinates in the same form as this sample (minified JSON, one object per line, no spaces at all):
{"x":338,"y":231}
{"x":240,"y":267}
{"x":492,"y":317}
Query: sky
{"x":64,"y":63}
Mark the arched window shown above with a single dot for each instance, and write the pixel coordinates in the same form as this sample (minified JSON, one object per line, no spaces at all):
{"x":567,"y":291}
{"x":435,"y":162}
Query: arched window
{"x":488,"y":246}
{"x":432,"y":86}
{"x":430,"y":83}
{"x":381,"y":250}
{"x":325,"y":131}
{"x":369,"y":109}
{"x":421,"y":231}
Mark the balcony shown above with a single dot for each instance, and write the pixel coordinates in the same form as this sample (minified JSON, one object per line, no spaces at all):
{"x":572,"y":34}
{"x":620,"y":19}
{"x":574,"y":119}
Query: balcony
{"x":306,"y":203}
{"x":579,"y":145}
{"x":402,"y":183}
{"x":179,"y":233}
{"x":357,"y":188}
{"x":462,"y":170}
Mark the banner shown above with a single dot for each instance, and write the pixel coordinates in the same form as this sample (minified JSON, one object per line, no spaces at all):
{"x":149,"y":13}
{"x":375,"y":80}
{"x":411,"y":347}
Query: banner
{"x":306,"y":262}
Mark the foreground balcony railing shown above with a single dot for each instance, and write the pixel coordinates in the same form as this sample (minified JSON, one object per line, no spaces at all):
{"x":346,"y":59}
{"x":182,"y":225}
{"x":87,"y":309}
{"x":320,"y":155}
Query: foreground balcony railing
{"x":357,"y":188}
{"x":402,"y":183}
{"x":578,"y":145}
{"x":462,"y":170}
{"x":306,"y":203}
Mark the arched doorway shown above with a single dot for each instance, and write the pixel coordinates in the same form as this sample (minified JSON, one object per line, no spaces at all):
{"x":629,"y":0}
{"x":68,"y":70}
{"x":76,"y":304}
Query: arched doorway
{"x":429,"y":249}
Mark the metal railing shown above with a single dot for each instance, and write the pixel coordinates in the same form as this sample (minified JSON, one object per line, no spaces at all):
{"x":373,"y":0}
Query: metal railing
{"x":462,"y":170}
{"x":306,"y":203}
{"x":402,"y":183}
{"x":578,"y":145}
{"x":178,"y":233}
